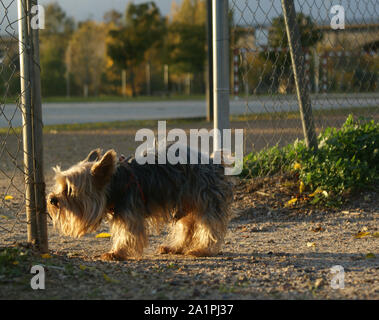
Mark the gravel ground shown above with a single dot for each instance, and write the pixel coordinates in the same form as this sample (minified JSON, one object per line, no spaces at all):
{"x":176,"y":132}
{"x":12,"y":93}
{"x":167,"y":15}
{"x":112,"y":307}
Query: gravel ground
{"x":271,"y":251}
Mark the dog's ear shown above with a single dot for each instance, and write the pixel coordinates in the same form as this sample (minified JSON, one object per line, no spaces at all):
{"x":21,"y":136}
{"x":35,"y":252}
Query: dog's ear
{"x":103,"y":169}
{"x":93,"y":156}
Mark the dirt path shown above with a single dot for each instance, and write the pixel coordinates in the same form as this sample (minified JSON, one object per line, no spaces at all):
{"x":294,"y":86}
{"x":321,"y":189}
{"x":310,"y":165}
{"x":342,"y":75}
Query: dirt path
{"x":271,"y":251}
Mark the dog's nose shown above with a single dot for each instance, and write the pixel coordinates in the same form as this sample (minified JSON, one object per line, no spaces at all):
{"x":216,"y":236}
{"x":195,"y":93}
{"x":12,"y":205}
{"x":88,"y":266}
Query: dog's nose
{"x":54,"y":201}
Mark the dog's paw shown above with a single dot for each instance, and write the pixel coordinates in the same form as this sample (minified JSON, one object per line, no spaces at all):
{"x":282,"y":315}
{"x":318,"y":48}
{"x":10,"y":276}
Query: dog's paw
{"x":111,"y":256}
{"x":167,"y":250}
{"x":199,"y":253}
{"x":164,"y":250}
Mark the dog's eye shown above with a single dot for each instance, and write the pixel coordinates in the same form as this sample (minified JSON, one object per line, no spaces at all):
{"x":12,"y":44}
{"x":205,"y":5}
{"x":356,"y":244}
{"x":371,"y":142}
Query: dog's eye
{"x":54,"y":201}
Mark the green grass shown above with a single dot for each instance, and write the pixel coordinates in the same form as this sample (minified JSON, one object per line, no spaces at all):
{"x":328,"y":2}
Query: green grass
{"x":112,"y":125}
{"x":12,"y":261}
{"x":369,"y":110}
{"x":346,"y":161}
{"x":105,"y":98}
{"x":115,"y":125}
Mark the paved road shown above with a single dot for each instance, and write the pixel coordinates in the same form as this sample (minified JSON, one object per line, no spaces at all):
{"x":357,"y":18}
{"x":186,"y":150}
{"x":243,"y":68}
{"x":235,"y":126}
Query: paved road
{"x":67,"y":113}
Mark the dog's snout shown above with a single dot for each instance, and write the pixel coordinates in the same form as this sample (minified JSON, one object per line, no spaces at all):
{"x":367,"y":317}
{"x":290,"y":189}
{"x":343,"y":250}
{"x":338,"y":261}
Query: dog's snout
{"x":54,"y":201}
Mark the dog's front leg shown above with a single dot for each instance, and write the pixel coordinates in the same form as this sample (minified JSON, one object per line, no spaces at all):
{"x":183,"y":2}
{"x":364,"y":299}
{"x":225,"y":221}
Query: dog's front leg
{"x":128,"y":235}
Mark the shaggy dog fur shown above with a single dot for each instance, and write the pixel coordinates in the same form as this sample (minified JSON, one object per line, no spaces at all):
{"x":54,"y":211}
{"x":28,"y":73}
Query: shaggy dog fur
{"x":196,"y":198}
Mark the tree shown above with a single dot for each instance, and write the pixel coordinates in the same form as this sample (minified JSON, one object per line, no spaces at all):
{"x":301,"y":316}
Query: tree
{"x":277,"y":39}
{"x":187,"y":47}
{"x":53,"y":43}
{"x":309,"y":35}
{"x":144,"y":28}
{"x":189,"y":12}
{"x":186,"y":40}
{"x":56,"y":21}
{"x":87,"y":56}
{"x":113,"y":17}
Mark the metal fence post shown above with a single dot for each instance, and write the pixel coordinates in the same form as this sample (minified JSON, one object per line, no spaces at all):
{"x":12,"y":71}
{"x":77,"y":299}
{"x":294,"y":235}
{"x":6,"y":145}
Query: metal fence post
{"x":220,"y":69}
{"x":38,"y":139}
{"x":298,"y":66}
{"x":32,"y":127}
{"x":209,"y":75}
{"x":24,"y":51}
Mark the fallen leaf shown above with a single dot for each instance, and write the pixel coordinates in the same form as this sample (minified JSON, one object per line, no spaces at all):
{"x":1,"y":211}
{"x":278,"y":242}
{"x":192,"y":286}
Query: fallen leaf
{"x":46,"y":256}
{"x":8,"y":197}
{"x":262,"y":193}
{"x":110,"y":280}
{"x":355,"y":213}
{"x":319,"y":283}
{"x":83,"y":268}
{"x":4,"y":217}
{"x":370,"y":256}
{"x":103,"y":235}
{"x":375,"y":234}
{"x":311,"y":244}
{"x":15,"y":263}
{"x":317,"y":191}
{"x":361,"y":234}
{"x":291,"y":202}
{"x":301,"y":187}
{"x":317,"y":229}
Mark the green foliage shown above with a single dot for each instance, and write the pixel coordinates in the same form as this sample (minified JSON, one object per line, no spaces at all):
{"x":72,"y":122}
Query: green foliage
{"x":10,"y":259}
{"x":269,"y":161}
{"x":309,"y":35}
{"x":187,"y":51}
{"x":53,"y":44}
{"x":347,"y":160}
{"x":143,"y":30}
{"x":277,"y":38}
{"x":53,"y":67}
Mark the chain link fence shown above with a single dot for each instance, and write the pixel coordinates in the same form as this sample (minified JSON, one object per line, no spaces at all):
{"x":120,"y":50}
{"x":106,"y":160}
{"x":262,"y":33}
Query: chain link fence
{"x":12,"y":190}
{"x":340,"y":67}
{"x":22,"y":208}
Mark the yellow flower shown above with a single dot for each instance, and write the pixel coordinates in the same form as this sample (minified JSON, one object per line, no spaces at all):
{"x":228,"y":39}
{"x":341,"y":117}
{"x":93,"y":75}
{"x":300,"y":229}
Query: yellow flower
{"x":297,"y":166}
{"x":103,"y":235}
{"x":8,"y":198}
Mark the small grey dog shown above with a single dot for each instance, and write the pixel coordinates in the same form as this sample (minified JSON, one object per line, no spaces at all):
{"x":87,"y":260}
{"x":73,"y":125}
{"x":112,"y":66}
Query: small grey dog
{"x":196,"y":198}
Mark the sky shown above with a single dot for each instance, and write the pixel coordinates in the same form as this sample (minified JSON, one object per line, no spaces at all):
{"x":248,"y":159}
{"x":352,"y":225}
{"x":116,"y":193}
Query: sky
{"x":95,"y":9}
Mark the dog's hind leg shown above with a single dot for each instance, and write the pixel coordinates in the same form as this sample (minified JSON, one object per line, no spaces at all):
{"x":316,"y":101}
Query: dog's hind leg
{"x":208,"y":233}
{"x":180,"y":236}
{"x":128,"y":235}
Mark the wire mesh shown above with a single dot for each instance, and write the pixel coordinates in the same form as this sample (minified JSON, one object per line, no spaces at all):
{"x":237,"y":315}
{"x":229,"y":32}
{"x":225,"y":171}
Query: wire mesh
{"x":341,"y":67}
{"x":12,"y":189}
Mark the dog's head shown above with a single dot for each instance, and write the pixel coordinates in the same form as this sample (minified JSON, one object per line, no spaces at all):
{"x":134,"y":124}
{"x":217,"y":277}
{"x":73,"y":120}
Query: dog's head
{"x":78,"y":201}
